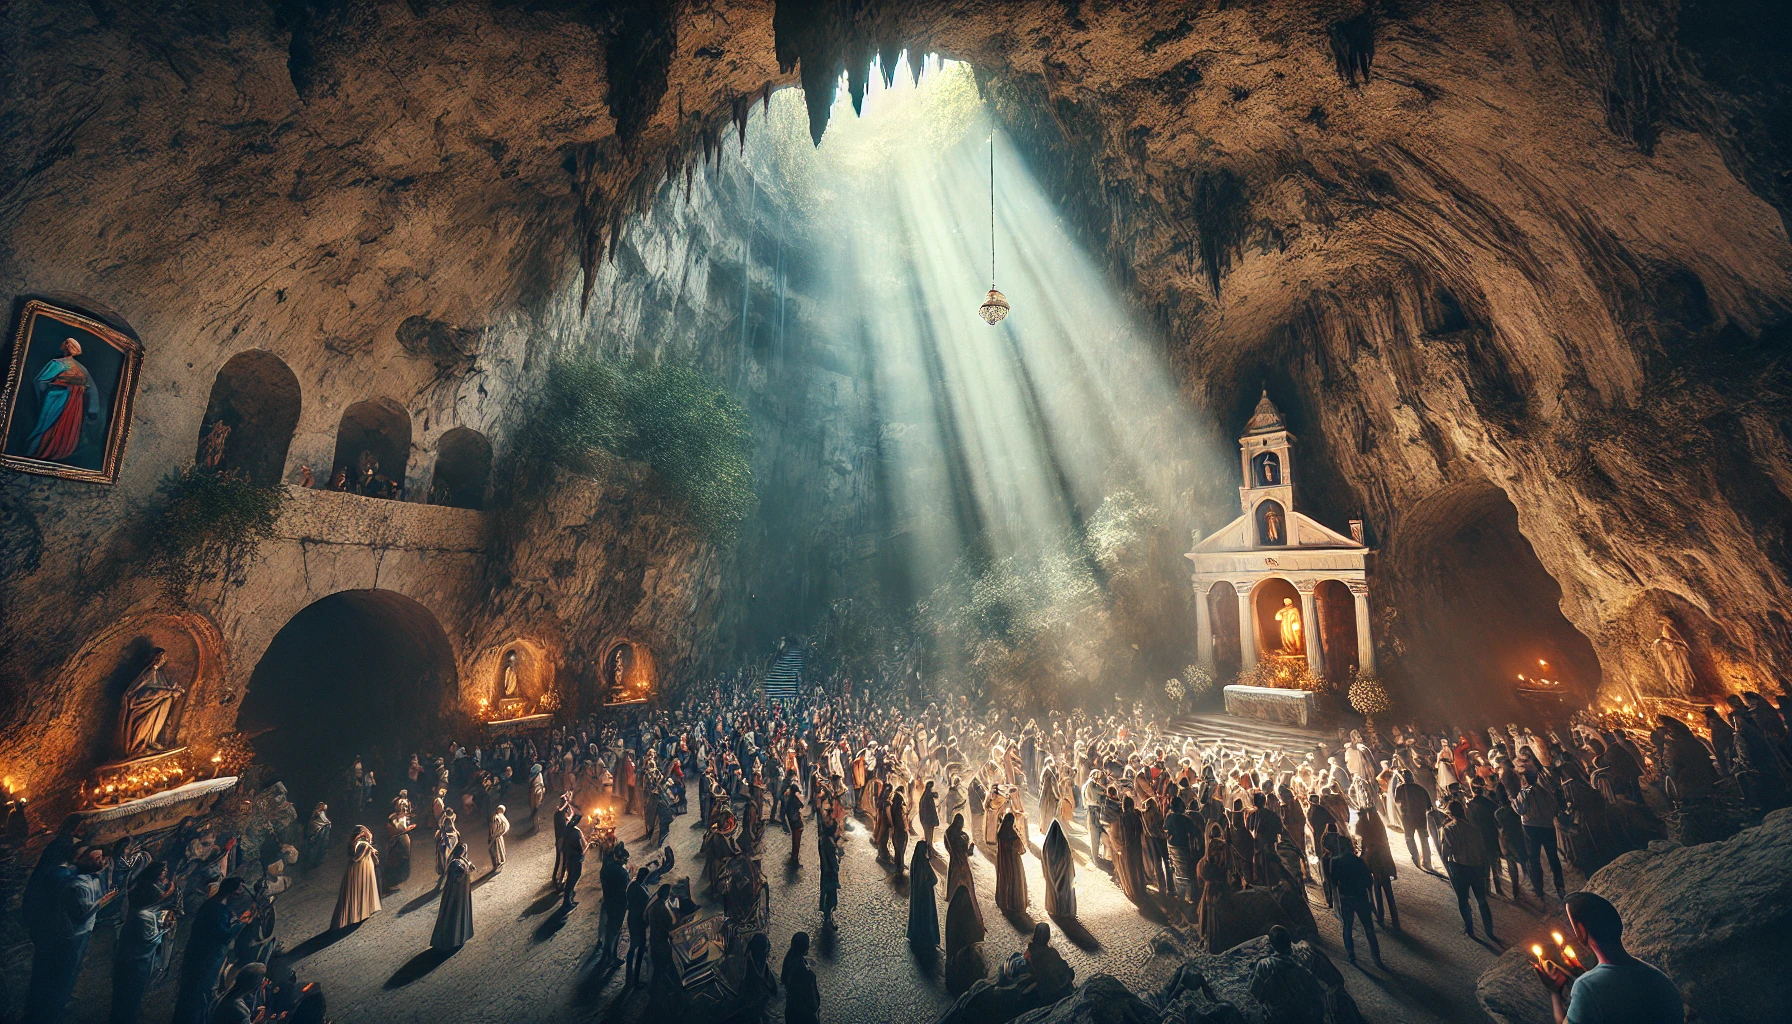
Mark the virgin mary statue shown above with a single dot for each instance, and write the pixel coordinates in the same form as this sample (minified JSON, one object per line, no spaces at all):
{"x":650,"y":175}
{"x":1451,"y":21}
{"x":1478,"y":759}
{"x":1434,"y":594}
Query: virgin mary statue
{"x":147,"y":704}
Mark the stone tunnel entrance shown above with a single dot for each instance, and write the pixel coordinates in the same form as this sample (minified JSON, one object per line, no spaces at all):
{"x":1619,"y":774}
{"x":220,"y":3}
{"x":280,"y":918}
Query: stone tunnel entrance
{"x":365,"y":673}
{"x":1477,"y":611}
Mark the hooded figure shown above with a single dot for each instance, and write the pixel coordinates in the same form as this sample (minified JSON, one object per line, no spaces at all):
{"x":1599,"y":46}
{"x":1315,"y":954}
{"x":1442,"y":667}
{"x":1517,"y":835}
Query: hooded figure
{"x":454,"y":918}
{"x":923,"y":915}
{"x":964,"y":930}
{"x":1060,"y":873}
{"x":1011,"y":877}
{"x":958,"y":863}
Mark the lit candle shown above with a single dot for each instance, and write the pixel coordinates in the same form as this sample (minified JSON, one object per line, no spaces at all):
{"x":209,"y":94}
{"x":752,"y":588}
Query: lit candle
{"x":1556,"y":936}
{"x":1537,"y":951}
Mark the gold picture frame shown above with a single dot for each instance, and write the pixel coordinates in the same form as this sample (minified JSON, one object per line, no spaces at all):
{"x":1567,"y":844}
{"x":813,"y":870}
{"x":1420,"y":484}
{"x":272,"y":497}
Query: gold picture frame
{"x":39,"y":432}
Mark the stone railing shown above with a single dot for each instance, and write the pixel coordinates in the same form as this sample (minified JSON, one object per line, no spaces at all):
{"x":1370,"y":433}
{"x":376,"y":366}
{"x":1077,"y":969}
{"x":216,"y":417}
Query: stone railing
{"x":335,"y":517}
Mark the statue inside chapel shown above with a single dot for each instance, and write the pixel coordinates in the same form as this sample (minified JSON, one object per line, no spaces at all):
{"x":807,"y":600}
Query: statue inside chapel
{"x":148,"y":703}
{"x":1288,"y":618}
{"x":1674,"y":657}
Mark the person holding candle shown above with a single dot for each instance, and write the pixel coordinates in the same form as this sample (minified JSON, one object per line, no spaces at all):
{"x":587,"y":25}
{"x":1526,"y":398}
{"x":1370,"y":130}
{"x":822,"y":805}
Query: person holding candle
{"x":1619,"y":987}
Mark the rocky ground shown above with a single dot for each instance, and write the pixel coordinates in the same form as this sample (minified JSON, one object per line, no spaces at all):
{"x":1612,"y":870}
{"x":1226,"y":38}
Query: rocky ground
{"x":526,"y":963}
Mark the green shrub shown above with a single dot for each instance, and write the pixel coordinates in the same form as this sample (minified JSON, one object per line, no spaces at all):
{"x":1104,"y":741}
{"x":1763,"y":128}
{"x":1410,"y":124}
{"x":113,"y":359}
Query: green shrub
{"x":208,"y":526}
{"x":691,"y":432}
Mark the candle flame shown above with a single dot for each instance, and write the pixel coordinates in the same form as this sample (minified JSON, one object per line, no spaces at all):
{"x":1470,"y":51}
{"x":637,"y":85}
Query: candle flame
{"x":1537,"y":951}
{"x":1568,"y":951}
{"x":1556,"y":936}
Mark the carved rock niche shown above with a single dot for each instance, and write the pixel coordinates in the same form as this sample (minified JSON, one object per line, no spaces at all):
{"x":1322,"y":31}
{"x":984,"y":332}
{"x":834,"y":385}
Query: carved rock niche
{"x":533,"y":670}
{"x":86,"y":736}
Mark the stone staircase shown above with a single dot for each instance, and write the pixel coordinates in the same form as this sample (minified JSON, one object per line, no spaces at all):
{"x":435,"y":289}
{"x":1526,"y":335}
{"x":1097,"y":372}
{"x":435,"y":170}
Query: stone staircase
{"x":1253,"y":734}
{"x":784,"y":680}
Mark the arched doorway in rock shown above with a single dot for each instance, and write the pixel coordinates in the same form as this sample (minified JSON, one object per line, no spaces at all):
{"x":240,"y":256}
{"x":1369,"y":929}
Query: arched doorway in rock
{"x":1336,"y":611}
{"x":629,"y":673}
{"x":256,"y":397}
{"x":463,"y":468}
{"x":1268,"y":600}
{"x":1477,"y":609}
{"x":1222,"y":617}
{"x":361,"y":673}
{"x":373,"y":445}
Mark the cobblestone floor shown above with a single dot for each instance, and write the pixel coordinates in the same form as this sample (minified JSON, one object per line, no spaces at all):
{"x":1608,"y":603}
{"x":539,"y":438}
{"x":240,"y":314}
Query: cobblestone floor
{"x":526,"y":963}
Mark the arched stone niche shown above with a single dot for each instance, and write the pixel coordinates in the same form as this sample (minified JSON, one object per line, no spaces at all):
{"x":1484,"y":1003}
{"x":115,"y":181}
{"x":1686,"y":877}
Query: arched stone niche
{"x":94,"y":682}
{"x":373,"y":448}
{"x":518,"y":670}
{"x":256,"y":397}
{"x":1674,"y":650}
{"x":628,"y":674}
{"x":1272,"y":522}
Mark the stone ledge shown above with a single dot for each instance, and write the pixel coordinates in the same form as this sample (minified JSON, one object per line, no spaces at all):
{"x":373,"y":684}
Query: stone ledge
{"x":335,"y":517}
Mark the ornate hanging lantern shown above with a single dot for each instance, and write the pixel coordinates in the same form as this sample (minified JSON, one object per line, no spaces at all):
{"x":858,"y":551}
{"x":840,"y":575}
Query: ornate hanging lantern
{"x":995,"y":305}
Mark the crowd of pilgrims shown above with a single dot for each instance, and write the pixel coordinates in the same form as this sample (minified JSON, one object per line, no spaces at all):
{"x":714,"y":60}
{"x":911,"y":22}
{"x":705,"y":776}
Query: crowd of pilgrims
{"x":1180,"y":823}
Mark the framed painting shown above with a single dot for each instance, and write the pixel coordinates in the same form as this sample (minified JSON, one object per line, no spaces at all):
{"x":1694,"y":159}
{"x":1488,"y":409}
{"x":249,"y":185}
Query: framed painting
{"x":66,"y":407}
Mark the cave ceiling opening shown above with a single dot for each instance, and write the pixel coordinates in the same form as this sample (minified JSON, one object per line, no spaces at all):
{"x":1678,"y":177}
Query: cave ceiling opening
{"x":1054,"y":446}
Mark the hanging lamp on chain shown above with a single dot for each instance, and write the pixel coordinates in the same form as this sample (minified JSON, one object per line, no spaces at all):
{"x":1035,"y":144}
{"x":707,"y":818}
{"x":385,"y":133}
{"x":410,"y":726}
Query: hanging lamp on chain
{"x":995,"y":305}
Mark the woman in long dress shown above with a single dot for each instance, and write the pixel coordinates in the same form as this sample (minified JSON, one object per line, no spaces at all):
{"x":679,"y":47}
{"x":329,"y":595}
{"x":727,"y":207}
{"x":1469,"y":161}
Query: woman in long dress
{"x":360,"y":896}
{"x":1011,"y":877}
{"x":1129,"y":866}
{"x":958,"y":862}
{"x":454,"y":918}
{"x":923,"y":915}
{"x":1060,"y":873}
{"x":1213,"y":873}
{"x":447,"y":838}
{"x":398,"y":848}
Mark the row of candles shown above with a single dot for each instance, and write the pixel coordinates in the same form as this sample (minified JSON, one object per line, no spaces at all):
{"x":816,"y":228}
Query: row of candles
{"x":1570,"y":961}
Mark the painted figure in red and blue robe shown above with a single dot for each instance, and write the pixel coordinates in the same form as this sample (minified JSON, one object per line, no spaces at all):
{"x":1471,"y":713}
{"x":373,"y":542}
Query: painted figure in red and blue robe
{"x":66,"y":400}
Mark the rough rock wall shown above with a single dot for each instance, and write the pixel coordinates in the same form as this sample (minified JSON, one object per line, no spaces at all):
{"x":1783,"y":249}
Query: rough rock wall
{"x":1459,"y":254}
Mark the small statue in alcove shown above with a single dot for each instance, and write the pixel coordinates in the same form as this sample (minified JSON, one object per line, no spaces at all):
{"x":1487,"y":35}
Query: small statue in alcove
{"x":1674,"y":656}
{"x":509,"y":674}
{"x":148,"y":704}
{"x":306,"y":480}
{"x":1272,"y":527}
{"x":211,"y":450}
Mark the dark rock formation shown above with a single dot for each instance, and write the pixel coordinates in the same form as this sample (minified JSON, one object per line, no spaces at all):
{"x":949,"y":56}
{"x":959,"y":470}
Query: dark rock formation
{"x":1717,"y":918}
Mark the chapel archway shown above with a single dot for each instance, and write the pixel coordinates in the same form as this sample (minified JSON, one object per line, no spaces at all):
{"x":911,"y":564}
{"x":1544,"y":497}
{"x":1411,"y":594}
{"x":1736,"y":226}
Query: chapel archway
{"x":463,"y":469}
{"x":361,"y":673}
{"x":1271,"y":598}
{"x":373,"y":445}
{"x":1336,"y":608}
{"x":1222,"y":612}
{"x":256,"y":398}
{"x":1478,"y":610}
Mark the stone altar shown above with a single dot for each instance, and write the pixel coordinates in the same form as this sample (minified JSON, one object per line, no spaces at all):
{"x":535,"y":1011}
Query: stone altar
{"x":1288,"y":707}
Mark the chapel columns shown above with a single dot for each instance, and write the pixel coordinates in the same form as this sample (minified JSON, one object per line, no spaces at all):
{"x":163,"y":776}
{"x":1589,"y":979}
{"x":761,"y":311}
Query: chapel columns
{"x":1365,"y":643}
{"x":1247,"y":628}
{"x":1309,"y":629}
{"x":1203,"y":631}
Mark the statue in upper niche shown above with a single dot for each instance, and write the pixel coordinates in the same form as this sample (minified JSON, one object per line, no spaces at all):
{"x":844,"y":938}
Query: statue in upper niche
{"x":148,"y":704}
{"x":1288,"y":618}
{"x":1272,"y":526}
{"x":1674,"y":656}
